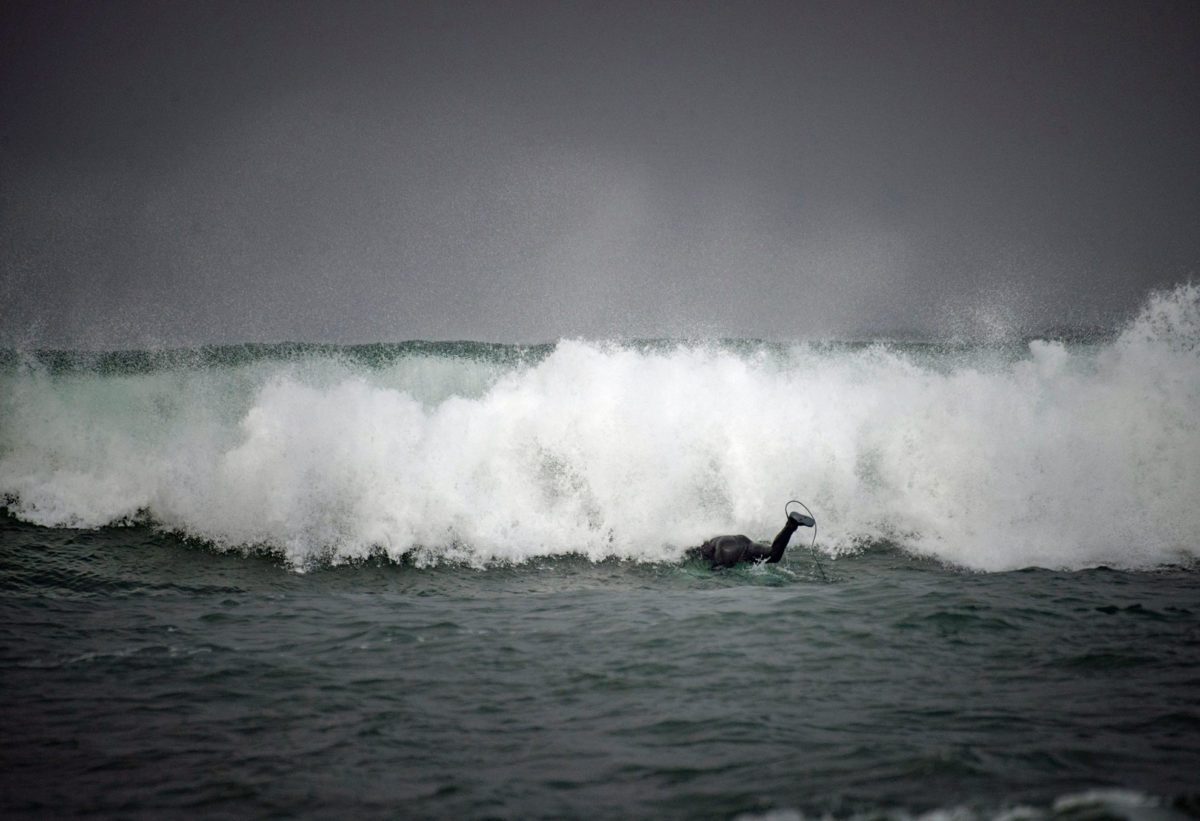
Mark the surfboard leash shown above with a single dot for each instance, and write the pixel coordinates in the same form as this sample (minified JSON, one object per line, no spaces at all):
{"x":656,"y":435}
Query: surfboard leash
{"x":813,"y":546}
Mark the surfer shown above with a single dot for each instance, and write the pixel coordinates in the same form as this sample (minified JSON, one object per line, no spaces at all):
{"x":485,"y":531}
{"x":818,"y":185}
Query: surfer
{"x":727,"y":551}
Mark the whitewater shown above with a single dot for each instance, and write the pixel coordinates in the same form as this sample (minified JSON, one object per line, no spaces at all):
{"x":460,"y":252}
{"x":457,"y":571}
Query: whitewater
{"x":991,"y":455}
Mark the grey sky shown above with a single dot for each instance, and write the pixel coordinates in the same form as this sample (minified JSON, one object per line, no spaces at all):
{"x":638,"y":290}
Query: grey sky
{"x":182,"y":173}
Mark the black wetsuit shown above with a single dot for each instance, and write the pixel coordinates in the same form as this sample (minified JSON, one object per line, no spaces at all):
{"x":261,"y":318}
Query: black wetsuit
{"x":726,"y":551}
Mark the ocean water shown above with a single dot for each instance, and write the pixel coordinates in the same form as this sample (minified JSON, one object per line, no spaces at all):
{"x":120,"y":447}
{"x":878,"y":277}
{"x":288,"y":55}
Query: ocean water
{"x":448,"y":579}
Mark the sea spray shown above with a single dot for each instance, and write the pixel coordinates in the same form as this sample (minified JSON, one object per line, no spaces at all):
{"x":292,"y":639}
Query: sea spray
{"x":1051,"y":454}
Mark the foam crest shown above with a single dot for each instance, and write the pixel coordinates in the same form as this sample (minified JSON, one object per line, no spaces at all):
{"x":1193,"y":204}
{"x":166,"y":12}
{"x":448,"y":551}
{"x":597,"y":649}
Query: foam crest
{"x":1051,"y":455}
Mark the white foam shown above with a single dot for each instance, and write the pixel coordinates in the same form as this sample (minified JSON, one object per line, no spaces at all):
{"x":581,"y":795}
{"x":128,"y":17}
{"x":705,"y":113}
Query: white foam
{"x":1098,"y":803}
{"x":1069,"y":456}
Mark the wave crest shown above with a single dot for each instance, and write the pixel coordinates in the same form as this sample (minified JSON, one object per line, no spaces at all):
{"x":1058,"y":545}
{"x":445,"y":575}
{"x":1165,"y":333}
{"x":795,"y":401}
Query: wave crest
{"x":1052,"y":455}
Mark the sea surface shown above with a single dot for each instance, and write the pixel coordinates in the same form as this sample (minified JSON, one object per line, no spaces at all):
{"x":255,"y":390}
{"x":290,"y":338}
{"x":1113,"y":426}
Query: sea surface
{"x":444,"y":580}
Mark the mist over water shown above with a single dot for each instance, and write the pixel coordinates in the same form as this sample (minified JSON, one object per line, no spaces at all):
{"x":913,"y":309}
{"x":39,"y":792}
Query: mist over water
{"x":990,"y":456}
{"x":350,"y":172}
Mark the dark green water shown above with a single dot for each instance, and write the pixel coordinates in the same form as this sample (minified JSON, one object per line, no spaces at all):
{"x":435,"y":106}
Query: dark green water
{"x":145,"y":677}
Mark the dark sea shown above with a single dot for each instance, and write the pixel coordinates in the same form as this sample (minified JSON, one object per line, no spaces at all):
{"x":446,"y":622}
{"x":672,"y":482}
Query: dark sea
{"x":449,"y":580}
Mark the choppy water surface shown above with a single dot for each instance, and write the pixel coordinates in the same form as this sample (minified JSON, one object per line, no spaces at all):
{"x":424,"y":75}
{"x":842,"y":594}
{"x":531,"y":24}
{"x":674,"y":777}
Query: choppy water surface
{"x":143,"y":676}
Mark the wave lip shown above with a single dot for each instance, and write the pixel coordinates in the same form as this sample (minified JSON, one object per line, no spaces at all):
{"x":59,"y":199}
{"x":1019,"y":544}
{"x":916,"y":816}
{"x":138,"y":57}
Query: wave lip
{"x":1047,"y":453}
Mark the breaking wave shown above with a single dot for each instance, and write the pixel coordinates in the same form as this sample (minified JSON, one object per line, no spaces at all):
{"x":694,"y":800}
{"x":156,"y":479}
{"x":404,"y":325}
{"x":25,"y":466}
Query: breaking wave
{"x":1048,"y":453}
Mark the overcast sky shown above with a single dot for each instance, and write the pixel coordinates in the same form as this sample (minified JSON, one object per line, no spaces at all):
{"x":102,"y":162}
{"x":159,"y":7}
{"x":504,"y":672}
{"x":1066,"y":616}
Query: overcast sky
{"x":184,"y":172}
